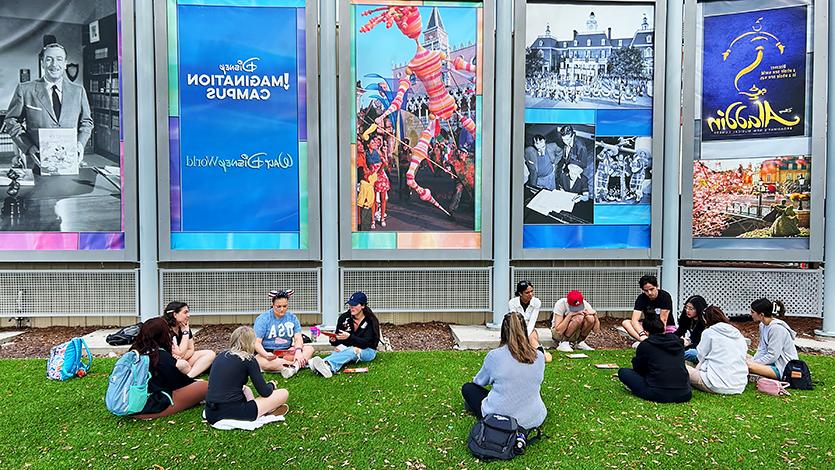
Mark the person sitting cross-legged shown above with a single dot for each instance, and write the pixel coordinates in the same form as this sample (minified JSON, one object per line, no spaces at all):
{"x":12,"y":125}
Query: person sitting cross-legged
{"x":658,"y":373}
{"x":573,"y":320}
{"x":279,"y":345}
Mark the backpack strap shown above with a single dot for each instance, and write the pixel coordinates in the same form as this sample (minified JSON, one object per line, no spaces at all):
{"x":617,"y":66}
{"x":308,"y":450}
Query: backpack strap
{"x":531,"y":438}
{"x":89,"y":364}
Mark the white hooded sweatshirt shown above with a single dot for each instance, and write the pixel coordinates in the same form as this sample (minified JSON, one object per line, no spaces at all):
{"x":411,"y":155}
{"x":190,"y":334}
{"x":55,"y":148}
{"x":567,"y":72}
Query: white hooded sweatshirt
{"x":722,"y":351}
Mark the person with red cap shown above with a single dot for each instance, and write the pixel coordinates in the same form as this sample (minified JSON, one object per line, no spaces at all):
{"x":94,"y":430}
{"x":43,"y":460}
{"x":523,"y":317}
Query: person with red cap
{"x":573,"y":320}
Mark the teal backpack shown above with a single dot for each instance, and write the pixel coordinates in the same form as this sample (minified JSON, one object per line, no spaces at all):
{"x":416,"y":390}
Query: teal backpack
{"x":127,"y":388}
{"x":66,"y":360}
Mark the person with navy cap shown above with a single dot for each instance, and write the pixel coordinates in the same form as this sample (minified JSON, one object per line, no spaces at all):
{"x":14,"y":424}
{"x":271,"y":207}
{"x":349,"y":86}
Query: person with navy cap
{"x":357,"y":337}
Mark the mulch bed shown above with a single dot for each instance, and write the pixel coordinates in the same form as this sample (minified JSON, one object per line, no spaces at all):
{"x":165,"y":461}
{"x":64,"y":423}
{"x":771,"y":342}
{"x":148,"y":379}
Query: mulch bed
{"x":36,"y":342}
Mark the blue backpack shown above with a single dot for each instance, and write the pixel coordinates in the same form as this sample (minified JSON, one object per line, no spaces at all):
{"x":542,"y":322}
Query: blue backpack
{"x":66,"y":360}
{"x":127,"y":388}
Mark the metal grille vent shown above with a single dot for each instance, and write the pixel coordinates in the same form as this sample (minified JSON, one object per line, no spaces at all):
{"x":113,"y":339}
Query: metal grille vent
{"x":733,"y":289}
{"x":610,"y":289}
{"x":65,"y":293}
{"x":398,"y":290}
{"x":239,"y":291}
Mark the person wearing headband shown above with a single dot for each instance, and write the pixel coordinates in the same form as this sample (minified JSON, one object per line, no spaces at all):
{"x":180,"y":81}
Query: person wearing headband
{"x":279,"y":346}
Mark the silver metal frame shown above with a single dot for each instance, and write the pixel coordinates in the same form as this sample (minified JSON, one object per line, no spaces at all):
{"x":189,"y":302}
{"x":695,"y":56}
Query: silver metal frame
{"x":517,"y":212}
{"x":129,"y":201}
{"x":346,"y":94}
{"x":75,"y":314}
{"x":819,"y":120}
{"x":163,"y":169}
{"x":318,"y":272}
{"x":418,"y":308}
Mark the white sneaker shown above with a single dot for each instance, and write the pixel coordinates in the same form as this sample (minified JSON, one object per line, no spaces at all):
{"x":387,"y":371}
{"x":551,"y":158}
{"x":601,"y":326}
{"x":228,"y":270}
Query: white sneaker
{"x":321,"y":367}
{"x":582,"y":345}
{"x":289,"y":371}
{"x":635,"y":344}
{"x":564,"y":347}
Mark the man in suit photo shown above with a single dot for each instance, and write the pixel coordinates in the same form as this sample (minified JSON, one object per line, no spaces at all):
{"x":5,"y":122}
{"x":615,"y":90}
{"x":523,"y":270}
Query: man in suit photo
{"x":543,"y":162}
{"x":49,"y":102}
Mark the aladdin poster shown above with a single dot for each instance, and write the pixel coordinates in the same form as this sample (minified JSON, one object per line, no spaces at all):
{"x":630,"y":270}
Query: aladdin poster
{"x":754,"y":74}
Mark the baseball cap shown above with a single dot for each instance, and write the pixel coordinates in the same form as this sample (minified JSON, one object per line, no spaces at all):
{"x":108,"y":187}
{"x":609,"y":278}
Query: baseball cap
{"x":357,"y":298}
{"x":575,"y":301}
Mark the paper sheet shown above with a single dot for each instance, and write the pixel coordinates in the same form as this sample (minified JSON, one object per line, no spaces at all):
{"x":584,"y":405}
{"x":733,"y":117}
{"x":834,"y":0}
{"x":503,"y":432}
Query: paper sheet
{"x":59,"y":151}
{"x":547,"y":201}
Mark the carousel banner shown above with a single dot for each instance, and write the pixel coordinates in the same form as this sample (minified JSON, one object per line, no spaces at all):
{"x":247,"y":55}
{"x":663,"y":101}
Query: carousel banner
{"x":588,"y":125}
{"x":61,"y":155}
{"x":752,"y":171}
{"x":416,"y":155}
{"x":238,"y":125}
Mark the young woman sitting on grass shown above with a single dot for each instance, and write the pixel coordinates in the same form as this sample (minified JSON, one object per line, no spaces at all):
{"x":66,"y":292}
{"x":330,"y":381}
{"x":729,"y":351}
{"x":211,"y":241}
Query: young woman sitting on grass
{"x":229,"y":397}
{"x":691,"y":324}
{"x":170,"y":389}
{"x":658,"y":373}
{"x":357,"y":337}
{"x":515,"y":370}
{"x":722,"y":352}
{"x":776,"y":346}
{"x":176,"y":314}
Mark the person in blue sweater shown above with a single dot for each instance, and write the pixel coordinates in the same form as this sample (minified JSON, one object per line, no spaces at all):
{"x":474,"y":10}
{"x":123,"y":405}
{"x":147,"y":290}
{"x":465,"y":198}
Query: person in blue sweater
{"x":515,"y":370}
{"x":776,"y":347}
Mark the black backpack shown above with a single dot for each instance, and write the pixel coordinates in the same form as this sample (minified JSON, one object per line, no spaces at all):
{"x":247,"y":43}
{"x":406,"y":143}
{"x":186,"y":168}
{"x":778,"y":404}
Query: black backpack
{"x":125,"y":336}
{"x":498,"y":437}
{"x":797,"y":375}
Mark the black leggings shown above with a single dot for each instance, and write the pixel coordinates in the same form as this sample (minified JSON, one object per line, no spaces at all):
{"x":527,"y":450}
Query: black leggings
{"x":638,"y":385}
{"x":473,"y":396}
{"x":242,"y":411}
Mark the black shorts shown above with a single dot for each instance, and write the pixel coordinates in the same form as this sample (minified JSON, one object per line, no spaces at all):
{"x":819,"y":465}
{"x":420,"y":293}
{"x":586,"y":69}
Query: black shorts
{"x":242,"y":411}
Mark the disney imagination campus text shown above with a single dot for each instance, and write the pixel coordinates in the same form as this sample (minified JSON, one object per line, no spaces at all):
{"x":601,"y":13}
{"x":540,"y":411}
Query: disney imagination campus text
{"x":222,"y":86}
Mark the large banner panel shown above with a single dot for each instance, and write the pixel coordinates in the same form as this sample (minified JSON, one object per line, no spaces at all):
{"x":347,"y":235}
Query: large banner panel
{"x":238,"y":130}
{"x":417,"y":120}
{"x":587,"y":161}
{"x":62,"y":142}
{"x":751,"y":173}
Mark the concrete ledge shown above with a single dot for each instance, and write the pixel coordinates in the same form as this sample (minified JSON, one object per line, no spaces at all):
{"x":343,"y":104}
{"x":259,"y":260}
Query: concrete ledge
{"x":7,"y":337}
{"x":809,"y":345}
{"x":97,"y":341}
{"x":479,"y":337}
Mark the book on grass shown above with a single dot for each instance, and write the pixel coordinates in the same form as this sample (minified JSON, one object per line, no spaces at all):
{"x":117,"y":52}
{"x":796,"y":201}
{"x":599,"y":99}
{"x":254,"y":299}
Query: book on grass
{"x":329,"y":334}
{"x":606,"y":366}
{"x":355,"y":369}
{"x":577,"y":356}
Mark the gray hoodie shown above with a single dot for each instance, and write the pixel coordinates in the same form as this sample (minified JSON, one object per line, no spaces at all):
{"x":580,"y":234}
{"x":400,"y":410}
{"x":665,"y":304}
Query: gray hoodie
{"x":776,"y":345}
{"x":722,"y":351}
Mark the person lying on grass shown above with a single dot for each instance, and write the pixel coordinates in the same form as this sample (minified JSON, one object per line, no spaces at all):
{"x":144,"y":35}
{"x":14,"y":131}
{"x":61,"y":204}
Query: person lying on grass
{"x":357,"y":337}
{"x":658,"y":373}
{"x":229,"y":397}
{"x":691,"y":324}
{"x":516,"y":371}
{"x":776,"y":346}
{"x":170,"y":390}
{"x":176,"y":314}
{"x":573,"y":320}
{"x":721,"y":356}
{"x":279,"y":343}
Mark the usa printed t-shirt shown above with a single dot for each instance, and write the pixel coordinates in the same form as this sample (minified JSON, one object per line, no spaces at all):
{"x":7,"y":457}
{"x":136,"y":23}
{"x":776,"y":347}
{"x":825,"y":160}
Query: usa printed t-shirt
{"x":276,"y":333}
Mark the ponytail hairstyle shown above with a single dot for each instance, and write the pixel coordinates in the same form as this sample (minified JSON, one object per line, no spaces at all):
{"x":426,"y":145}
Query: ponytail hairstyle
{"x":169,"y":311}
{"x":768,"y":308}
{"x":522,"y":286}
{"x":242,"y":342}
{"x":515,"y":336}
{"x":714,"y":315}
{"x":153,"y":335}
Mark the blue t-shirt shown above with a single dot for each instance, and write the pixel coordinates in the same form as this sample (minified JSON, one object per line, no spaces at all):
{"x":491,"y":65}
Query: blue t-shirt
{"x":276,"y":333}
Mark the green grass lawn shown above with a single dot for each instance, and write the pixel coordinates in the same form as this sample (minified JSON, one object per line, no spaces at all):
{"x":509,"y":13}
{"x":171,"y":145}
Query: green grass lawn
{"x":407,"y":412}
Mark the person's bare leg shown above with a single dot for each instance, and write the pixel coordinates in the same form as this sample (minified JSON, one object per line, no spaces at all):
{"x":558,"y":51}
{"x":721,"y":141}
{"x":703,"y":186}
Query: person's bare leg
{"x":572,"y":331}
{"x":761,"y":370}
{"x":587,"y":326}
{"x":200,"y":362}
{"x":248,"y":393}
{"x":184,"y":398}
{"x":274,"y":365}
{"x":270,"y":403}
{"x":630,"y":328}
{"x":696,"y":379}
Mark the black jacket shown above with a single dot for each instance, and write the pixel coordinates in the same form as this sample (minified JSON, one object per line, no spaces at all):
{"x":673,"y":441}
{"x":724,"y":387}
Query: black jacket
{"x":367,"y":335}
{"x":694,"y":326}
{"x":660,"y":360}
